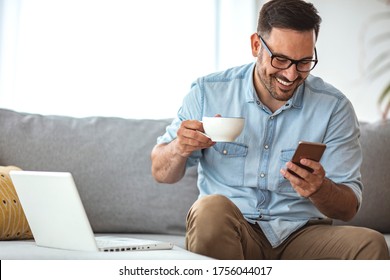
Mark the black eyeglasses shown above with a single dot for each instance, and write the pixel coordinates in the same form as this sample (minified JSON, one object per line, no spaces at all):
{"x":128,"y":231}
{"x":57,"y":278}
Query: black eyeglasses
{"x":282,"y":62}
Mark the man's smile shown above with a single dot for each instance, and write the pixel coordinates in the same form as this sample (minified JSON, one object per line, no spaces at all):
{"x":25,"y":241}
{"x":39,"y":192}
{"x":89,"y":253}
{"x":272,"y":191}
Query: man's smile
{"x":284,"y":82}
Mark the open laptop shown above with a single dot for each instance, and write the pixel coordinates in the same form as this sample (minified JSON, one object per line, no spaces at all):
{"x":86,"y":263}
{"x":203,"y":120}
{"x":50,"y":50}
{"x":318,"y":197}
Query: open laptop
{"x":57,"y":217}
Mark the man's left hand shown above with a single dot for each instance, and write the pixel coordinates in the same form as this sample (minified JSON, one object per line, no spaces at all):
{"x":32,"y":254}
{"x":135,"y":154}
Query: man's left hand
{"x":309,"y":183}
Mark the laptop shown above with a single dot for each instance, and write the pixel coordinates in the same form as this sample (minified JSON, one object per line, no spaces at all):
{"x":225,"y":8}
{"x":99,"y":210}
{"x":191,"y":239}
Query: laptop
{"x":57,"y":217}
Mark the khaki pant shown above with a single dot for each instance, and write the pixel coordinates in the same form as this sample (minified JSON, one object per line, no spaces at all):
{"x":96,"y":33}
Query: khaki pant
{"x":216,"y":228}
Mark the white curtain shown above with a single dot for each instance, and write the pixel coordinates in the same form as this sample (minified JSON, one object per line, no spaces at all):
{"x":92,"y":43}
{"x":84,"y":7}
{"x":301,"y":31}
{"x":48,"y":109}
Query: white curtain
{"x":116,"y":57}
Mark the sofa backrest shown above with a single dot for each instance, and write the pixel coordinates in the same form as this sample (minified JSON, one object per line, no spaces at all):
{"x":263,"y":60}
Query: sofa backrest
{"x":110,"y":161}
{"x":375,"y":208}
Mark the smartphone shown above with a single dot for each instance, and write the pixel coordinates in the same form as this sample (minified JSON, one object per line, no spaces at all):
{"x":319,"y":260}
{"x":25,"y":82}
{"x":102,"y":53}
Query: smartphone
{"x":309,"y":150}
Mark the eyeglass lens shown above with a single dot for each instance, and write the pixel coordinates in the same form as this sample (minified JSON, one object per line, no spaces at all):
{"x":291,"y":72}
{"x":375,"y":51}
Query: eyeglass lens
{"x":284,"y":63}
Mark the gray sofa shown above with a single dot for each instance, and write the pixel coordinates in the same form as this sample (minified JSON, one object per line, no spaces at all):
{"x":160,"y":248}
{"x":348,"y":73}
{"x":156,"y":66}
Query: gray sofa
{"x":110,"y":160}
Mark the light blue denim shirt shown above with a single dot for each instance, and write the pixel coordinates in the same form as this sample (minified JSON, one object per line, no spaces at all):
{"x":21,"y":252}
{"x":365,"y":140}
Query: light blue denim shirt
{"x":247,"y":170}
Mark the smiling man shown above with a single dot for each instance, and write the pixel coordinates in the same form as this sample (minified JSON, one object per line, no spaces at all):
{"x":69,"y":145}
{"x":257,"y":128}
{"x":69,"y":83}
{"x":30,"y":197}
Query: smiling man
{"x":250,"y":206}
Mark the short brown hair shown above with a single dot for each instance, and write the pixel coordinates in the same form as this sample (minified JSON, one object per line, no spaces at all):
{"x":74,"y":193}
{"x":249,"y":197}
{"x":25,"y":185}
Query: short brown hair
{"x":290,"y":14}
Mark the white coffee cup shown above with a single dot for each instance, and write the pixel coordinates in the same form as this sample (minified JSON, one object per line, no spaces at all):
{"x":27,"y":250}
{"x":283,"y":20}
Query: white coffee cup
{"x":223,"y":129}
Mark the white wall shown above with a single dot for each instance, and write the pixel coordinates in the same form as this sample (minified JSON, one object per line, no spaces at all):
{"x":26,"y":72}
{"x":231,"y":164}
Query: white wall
{"x":345,"y":50}
{"x":123,"y":58}
{"x":107,"y":57}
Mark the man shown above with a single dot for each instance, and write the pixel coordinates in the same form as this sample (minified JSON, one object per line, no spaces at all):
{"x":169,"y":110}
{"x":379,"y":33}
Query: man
{"x":250,"y":206}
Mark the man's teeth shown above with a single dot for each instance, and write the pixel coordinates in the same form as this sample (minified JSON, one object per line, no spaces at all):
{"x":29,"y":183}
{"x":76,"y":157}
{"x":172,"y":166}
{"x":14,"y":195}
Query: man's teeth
{"x":284,"y":82}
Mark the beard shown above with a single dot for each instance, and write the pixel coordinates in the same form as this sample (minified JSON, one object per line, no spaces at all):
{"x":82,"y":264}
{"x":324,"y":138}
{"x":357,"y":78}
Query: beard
{"x":278,"y":86}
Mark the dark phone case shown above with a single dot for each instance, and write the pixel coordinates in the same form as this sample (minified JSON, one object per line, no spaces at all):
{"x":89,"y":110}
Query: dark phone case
{"x":309,"y":150}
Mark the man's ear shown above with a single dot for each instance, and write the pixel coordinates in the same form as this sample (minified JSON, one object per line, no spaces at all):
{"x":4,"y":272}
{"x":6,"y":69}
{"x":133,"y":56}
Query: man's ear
{"x":255,"y":44}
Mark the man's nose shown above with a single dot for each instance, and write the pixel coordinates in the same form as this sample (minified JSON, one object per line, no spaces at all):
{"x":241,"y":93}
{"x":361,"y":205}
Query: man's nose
{"x":291,"y":73}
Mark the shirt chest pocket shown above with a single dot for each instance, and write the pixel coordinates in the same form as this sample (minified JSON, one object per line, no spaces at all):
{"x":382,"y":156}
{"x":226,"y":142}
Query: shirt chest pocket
{"x":226,"y":162}
{"x":284,"y":185}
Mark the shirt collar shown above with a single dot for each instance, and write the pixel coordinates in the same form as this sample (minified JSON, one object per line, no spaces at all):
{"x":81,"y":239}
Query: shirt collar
{"x":250,"y":92}
{"x":297,"y":99}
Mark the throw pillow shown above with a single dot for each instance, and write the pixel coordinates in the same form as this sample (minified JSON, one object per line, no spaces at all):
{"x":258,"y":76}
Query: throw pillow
{"x":13,"y":222}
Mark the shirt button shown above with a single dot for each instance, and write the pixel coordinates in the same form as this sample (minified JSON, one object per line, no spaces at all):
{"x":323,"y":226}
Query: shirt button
{"x":266,"y":147}
{"x":262,"y":175}
{"x":224,"y":152}
{"x":272,"y":117}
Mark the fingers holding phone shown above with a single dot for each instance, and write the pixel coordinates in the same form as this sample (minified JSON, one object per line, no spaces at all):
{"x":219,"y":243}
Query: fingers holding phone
{"x":304,"y":171}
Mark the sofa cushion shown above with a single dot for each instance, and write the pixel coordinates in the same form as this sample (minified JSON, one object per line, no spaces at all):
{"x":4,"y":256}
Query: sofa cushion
{"x":13,"y":222}
{"x":375,"y":208}
{"x":110,"y":161}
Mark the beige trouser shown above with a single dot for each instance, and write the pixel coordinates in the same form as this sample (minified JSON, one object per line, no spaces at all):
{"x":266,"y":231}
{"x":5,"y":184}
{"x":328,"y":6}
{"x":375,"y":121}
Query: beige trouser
{"x":216,"y":228}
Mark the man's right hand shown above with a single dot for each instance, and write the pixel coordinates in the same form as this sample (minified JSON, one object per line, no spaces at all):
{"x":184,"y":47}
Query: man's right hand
{"x":169,"y":160}
{"x":191,"y":137}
